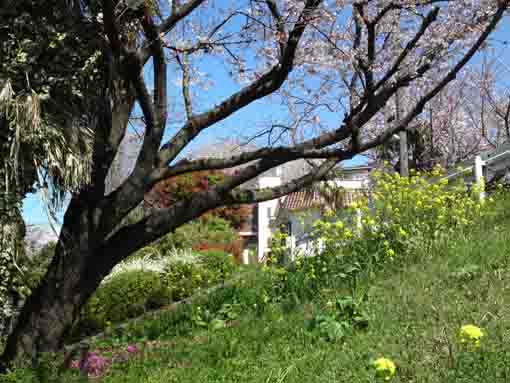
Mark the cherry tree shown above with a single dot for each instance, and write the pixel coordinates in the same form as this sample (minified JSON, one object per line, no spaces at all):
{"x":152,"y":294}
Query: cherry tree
{"x":455,"y":126}
{"x":331,"y":62}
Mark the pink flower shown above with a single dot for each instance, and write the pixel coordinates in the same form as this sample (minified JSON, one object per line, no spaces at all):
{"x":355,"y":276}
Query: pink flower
{"x":131,"y":348}
{"x":95,"y":364}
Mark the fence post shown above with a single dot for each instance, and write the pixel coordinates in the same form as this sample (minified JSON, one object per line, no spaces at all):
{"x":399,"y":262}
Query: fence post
{"x":246,"y":256}
{"x":359,"y":226}
{"x":479,"y":176}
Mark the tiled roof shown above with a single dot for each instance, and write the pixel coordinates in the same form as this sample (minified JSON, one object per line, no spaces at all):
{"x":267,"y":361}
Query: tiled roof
{"x":302,"y":199}
{"x":305,"y":199}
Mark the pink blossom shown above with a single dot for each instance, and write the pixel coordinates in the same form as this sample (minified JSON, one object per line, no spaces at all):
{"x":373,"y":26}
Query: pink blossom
{"x":131,"y":348}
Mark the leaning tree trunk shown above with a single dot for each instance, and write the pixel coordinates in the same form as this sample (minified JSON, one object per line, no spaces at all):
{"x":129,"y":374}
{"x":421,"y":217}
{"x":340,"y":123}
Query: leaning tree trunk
{"x":78,"y":265}
{"x":53,"y":307}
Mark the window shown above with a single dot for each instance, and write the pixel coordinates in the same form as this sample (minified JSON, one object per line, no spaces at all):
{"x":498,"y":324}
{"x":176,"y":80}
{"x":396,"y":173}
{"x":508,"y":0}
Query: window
{"x":269,"y":212}
{"x":289,"y":228}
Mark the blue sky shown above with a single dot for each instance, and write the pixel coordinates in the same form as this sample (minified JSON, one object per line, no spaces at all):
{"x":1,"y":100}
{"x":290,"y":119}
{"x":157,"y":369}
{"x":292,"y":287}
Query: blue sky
{"x":246,"y":120}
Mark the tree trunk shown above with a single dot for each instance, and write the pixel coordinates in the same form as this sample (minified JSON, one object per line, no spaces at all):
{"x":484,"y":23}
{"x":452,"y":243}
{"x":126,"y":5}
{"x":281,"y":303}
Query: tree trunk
{"x":77,"y":267}
{"x":54,"y":306}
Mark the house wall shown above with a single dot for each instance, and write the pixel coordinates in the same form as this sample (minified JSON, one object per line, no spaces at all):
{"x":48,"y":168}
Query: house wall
{"x":302,"y":223}
{"x":351,"y":184}
{"x":265,"y":212}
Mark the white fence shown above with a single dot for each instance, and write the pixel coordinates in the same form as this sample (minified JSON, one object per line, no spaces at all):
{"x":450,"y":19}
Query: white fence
{"x":496,"y":161}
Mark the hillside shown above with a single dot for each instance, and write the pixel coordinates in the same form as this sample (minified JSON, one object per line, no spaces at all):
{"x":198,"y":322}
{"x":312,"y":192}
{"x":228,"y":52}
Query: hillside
{"x":259,"y":329}
{"x":414,"y":315}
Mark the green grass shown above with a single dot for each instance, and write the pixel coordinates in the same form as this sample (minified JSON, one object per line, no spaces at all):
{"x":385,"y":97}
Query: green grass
{"x":415,"y":310}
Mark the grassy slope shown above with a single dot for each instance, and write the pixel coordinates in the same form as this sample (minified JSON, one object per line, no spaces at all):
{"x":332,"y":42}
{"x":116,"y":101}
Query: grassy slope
{"x":416,"y":311}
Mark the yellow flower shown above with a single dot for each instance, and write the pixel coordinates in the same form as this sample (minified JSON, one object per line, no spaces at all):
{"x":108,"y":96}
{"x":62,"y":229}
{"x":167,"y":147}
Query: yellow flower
{"x":384,"y":368}
{"x":329,"y":212}
{"x":471,"y":334}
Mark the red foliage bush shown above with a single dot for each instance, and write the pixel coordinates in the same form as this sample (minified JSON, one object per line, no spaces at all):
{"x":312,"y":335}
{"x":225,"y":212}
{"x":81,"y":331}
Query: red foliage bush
{"x":171,"y":190}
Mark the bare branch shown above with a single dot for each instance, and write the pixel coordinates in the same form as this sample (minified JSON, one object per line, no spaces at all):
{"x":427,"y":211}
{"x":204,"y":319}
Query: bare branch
{"x":188,"y":105}
{"x":179,"y":12}
{"x":265,"y":194}
{"x":282,"y":153}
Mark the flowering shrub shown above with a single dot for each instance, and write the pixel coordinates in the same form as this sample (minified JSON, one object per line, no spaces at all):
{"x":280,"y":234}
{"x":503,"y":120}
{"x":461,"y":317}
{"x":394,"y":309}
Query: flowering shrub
{"x":401,"y":215}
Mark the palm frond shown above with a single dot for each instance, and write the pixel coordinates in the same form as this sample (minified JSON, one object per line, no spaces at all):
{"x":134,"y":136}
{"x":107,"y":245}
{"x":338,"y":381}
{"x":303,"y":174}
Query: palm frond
{"x":62,"y":153}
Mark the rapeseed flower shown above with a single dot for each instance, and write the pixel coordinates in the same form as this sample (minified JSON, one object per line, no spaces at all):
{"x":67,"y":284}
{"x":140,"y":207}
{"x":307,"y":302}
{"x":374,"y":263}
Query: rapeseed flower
{"x":471,"y":335}
{"x":384,"y":368}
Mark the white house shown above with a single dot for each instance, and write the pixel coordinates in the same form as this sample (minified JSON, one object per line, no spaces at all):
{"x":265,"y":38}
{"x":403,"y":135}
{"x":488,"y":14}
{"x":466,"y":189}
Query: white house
{"x":296,"y":211}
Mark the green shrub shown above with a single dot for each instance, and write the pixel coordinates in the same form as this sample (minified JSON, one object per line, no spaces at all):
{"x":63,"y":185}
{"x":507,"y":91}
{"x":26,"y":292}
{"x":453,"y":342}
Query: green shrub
{"x":218,"y":262}
{"x":184,"y":278}
{"x":131,"y":292}
{"x":125,"y":295}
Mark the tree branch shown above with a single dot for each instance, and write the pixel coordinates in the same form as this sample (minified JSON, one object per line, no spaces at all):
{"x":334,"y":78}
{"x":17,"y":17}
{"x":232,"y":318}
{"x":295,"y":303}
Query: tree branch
{"x":265,"y":194}
{"x":262,"y":87}
{"x":179,"y":12}
{"x":110,"y":27}
{"x":280,"y":24}
{"x":284,"y":153}
{"x":133,"y":237}
{"x":451,"y":75}
{"x":188,"y":105}
{"x":127,"y":196}
{"x":427,"y":22}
